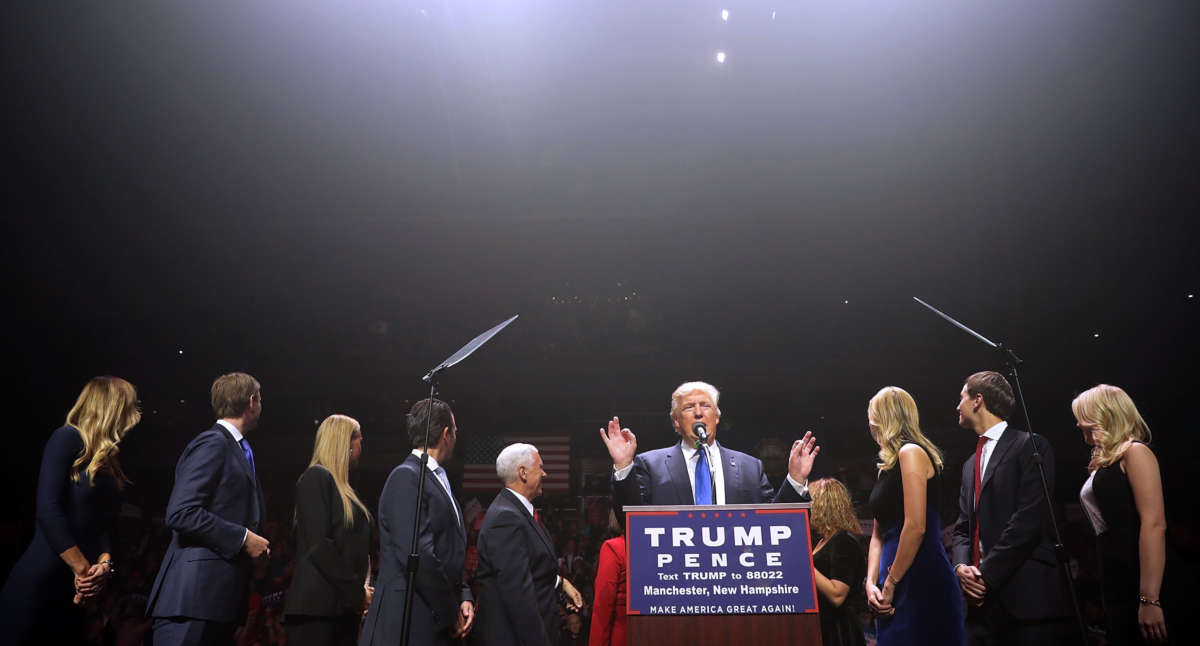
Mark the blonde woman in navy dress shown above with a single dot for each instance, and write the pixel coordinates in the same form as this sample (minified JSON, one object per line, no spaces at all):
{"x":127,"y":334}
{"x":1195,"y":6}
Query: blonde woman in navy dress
{"x":78,"y":497}
{"x":910,"y":585}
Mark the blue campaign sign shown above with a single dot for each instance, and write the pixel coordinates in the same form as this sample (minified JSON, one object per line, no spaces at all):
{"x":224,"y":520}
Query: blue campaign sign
{"x":720,"y":560}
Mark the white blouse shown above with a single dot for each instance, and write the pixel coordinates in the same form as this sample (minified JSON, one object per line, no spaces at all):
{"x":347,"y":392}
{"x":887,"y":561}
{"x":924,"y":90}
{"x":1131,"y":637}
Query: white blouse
{"x":1087,"y":496}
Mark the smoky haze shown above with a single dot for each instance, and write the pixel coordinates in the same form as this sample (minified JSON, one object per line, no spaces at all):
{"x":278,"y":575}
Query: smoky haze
{"x":335,"y":196}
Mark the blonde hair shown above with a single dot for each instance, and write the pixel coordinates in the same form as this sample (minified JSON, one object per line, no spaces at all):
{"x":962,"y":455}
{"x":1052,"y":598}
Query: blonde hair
{"x":331,"y":450}
{"x":104,"y":412}
{"x":689,"y":387}
{"x":894,"y":413}
{"x":831,"y":508}
{"x":1115,"y":421}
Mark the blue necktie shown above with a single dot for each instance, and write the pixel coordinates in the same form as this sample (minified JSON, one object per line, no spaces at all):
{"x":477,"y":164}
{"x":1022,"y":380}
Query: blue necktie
{"x":704,"y":487}
{"x":249,"y":457}
{"x":441,"y":475}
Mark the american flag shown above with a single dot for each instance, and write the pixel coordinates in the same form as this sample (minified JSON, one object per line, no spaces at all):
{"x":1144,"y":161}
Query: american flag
{"x":479,"y":473}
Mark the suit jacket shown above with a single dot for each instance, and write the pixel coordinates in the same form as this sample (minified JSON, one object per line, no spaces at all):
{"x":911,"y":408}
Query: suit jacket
{"x":1017,"y":560}
{"x":442,"y":546}
{"x":331,"y":558}
{"x":660,"y":477}
{"x":518,"y":570}
{"x":204,"y":573}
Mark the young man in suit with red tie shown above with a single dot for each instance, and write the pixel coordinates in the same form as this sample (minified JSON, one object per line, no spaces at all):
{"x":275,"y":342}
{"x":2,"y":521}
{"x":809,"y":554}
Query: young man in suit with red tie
{"x":1002,"y":551}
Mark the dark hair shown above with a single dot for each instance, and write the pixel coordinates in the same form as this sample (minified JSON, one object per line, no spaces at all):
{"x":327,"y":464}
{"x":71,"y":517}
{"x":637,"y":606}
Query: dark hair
{"x":996,"y":391}
{"x":231,"y":394}
{"x":419,"y":417}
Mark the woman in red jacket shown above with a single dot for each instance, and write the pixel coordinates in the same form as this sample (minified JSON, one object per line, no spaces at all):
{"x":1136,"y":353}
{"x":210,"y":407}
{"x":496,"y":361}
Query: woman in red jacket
{"x":608,"y":607}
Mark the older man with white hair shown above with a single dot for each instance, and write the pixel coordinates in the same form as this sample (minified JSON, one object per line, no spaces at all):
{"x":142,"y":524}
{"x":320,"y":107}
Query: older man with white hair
{"x":698,"y":470}
{"x":517,"y":573}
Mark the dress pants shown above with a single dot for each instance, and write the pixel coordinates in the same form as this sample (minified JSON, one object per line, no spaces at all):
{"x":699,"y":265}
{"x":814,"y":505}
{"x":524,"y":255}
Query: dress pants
{"x":183,"y":631}
{"x":308,"y":630}
{"x":992,"y":625}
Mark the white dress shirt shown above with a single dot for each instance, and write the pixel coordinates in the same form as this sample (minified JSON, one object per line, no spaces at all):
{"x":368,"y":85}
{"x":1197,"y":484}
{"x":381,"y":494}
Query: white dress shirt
{"x":445,"y":484}
{"x":691,"y":458}
{"x":237,"y":437}
{"x":993,"y":435}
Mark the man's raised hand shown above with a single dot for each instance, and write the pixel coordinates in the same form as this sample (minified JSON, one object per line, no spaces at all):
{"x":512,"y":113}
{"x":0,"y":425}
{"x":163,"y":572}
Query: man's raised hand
{"x":621,"y":443}
{"x":800,"y":460}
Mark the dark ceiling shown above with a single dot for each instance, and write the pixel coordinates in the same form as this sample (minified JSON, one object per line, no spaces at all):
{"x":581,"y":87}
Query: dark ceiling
{"x":335,"y":196}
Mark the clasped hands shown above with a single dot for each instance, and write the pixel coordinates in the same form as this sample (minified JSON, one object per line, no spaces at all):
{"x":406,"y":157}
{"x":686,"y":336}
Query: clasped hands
{"x":464,"y":620}
{"x":880,"y":599}
{"x":970,"y":579}
{"x":90,"y":582}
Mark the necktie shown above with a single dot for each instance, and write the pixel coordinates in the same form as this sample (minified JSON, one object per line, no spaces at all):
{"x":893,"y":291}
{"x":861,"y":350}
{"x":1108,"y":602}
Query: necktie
{"x":978,"y":480}
{"x":441,"y":475}
{"x":249,"y":457}
{"x":704,"y":487}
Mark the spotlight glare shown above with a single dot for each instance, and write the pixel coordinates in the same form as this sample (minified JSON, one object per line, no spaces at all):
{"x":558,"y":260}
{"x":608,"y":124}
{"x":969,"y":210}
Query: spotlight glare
{"x":720,"y":57}
{"x":725,"y":15}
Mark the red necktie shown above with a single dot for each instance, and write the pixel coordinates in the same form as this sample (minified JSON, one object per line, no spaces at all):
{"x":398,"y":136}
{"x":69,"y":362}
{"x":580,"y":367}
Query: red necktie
{"x":978,"y":479}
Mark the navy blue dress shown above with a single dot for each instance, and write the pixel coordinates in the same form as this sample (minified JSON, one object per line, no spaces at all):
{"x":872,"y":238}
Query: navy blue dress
{"x":928,"y":602}
{"x":35,"y":604}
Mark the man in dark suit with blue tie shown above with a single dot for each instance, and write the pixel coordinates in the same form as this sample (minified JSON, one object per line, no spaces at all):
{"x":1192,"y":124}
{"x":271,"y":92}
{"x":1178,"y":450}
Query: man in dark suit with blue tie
{"x":443,"y":607}
{"x":518,"y":568}
{"x":1001,"y":546}
{"x":216,"y":508}
{"x":682,"y":474}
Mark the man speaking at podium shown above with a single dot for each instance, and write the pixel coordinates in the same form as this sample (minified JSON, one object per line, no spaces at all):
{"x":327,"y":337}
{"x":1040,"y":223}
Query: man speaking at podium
{"x":698,"y":470}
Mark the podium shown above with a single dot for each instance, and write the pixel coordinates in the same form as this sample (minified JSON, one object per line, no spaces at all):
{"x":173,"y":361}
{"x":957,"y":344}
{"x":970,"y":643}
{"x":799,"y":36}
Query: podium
{"x":720,"y":574}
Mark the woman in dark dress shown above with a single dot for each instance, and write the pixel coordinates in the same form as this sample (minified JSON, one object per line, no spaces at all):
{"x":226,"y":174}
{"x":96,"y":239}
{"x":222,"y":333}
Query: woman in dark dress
{"x":78,"y":497}
{"x":910,"y":584}
{"x":1123,"y":499}
{"x":328,"y":594}
{"x":841,"y":566}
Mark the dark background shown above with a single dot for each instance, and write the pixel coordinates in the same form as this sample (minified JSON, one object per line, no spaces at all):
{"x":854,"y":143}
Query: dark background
{"x":335,"y":196}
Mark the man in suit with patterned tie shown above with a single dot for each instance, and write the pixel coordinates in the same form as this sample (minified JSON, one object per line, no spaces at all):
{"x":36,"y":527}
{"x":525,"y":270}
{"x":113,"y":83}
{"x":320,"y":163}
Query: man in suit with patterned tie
{"x":681,"y":474}
{"x":214,"y":513}
{"x":1002,"y":551}
{"x":517,"y":576}
{"x":443,"y":607}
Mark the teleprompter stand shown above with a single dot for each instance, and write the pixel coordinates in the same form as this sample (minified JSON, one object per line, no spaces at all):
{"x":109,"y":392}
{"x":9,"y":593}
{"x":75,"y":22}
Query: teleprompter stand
{"x":414,"y":558}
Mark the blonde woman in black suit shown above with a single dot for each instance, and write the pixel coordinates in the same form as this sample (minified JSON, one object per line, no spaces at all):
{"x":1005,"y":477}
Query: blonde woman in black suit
{"x":333,"y":537}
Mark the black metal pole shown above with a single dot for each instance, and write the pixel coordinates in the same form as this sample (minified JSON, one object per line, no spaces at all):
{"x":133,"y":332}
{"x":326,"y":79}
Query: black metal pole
{"x":414,"y":558}
{"x":1060,"y":550}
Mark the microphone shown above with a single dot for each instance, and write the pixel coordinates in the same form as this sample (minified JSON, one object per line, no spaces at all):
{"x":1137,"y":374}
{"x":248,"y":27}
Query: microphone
{"x":700,"y":431}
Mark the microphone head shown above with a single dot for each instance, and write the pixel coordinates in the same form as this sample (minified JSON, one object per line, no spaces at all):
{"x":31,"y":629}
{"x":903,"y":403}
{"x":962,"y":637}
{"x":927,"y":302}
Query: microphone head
{"x":700,"y":431}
